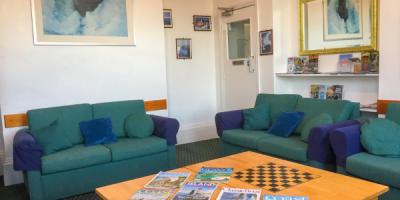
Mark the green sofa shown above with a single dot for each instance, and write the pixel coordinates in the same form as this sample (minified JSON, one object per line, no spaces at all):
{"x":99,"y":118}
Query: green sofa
{"x":234,"y":139}
{"x":81,"y":169}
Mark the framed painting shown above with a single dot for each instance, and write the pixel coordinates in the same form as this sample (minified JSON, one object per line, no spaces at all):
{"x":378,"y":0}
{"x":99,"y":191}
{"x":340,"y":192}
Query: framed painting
{"x":183,"y":48}
{"x":266,"y":42}
{"x":343,"y":19}
{"x":83,"y":22}
{"x":202,"y":23}
{"x":168,"y":21}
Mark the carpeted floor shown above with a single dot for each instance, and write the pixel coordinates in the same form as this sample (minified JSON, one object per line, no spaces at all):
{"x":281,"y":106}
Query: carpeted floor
{"x":186,"y":154}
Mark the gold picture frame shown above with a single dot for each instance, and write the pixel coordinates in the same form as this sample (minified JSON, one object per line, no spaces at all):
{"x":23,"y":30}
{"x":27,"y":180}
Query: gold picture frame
{"x":374,"y":34}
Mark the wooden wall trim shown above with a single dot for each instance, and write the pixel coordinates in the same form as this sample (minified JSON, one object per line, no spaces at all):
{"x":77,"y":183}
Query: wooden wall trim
{"x":19,"y":120}
{"x":382,"y":105}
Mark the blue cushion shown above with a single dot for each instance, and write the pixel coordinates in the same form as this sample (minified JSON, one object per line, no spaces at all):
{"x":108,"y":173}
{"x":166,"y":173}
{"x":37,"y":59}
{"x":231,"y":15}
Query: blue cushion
{"x":286,"y":123}
{"x":97,"y":131}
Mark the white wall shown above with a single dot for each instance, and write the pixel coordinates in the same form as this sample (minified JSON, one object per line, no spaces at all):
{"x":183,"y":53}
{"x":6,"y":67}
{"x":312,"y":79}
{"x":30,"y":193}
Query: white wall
{"x":266,"y":63}
{"x":192,"y":91}
{"x":389,"y":41}
{"x":286,"y":29}
{"x":43,"y":76}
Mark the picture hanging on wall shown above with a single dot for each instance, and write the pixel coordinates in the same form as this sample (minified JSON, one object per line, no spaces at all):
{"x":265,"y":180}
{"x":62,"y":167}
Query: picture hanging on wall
{"x":83,"y":22}
{"x":266,"y":42}
{"x":168,"y":21}
{"x":183,"y":48}
{"x":202,"y":23}
{"x":342,"y":19}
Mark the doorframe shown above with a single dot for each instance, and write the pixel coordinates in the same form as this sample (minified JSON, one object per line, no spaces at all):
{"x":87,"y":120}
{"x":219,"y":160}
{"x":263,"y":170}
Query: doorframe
{"x":221,"y":56}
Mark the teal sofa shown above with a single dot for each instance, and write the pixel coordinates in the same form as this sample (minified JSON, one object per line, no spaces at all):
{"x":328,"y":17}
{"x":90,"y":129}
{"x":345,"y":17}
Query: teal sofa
{"x":354,"y":160}
{"x":81,"y":169}
{"x":234,"y":139}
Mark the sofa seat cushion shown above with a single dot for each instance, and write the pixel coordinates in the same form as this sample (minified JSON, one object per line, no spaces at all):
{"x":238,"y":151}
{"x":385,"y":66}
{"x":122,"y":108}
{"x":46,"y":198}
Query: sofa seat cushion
{"x":127,"y":148}
{"x":379,"y":169}
{"x":292,"y":148}
{"x":243,"y":138}
{"x":75,"y":157}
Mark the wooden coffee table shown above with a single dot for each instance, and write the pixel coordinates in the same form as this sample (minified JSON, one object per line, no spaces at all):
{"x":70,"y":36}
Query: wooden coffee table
{"x":322,"y":184}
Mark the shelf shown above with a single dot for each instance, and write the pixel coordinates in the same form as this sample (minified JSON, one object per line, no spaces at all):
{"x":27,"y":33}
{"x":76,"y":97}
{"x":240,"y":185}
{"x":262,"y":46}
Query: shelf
{"x":326,"y":75}
{"x":369,"y":110}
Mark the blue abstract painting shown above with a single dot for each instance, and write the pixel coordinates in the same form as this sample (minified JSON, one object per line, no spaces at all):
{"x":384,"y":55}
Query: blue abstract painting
{"x":343,"y":19}
{"x":85,"y":17}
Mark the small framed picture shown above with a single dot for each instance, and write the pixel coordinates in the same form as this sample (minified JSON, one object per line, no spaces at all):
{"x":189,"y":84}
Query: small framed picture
{"x":202,"y":23}
{"x":266,"y":42}
{"x":168,"y":22}
{"x":183,"y":48}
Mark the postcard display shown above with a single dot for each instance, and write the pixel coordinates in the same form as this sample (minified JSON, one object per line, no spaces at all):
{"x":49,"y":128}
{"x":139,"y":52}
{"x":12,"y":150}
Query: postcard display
{"x":164,"y":185}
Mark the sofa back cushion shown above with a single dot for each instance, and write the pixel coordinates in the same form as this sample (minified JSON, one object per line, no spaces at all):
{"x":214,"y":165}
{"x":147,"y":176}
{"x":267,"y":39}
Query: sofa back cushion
{"x":339,"y":110}
{"x":118,"y":112}
{"x":67,"y":117}
{"x":278,"y":103}
{"x":381,"y":137}
{"x":393,"y":112}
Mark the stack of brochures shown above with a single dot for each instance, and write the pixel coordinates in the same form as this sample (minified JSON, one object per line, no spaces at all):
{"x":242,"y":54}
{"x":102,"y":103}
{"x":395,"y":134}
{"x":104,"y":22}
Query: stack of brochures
{"x":165,"y":184}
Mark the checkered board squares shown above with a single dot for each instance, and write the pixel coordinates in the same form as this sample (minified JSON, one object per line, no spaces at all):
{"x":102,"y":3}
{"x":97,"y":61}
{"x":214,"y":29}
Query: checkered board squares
{"x":274,"y":177}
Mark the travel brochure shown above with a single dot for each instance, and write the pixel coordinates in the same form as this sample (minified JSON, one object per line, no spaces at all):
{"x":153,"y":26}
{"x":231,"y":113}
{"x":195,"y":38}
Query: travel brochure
{"x":214,"y":174}
{"x":333,"y":92}
{"x":196,"y":191}
{"x":165,"y":184}
{"x":168,"y":180}
{"x":152,"y":194}
{"x":303,"y":64}
{"x":241,"y":194}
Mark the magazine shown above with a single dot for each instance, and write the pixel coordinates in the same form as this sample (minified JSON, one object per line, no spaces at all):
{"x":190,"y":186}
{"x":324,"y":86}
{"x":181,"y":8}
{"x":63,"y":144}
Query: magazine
{"x":271,"y":197}
{"x":374,"y":62}
{"x":296,"y":64}
{"x":196,"y":191}
{"x":312,"y":65}
{"x":334,"y":92}
{"x":318,"y":91}
{"x":291,"y":65}
{"x":365,"y":60}
{"x":151,"y":194}
{"x":167,"y":180}
{"x":345,"y":65}
{"x":242,"y":194}
{"x":214,"y":174}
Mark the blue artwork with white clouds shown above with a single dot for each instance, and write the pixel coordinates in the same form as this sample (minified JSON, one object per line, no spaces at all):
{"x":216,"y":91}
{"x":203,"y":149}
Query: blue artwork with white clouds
{"x":344,"y":17}
{"x":85,"y":17}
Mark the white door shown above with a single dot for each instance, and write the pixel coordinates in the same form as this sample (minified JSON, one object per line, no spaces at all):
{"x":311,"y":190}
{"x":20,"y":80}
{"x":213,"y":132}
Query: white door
{"x":239,"y":48}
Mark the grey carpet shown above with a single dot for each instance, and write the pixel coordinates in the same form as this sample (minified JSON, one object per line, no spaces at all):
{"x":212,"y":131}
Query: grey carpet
{"x":186,"y":154}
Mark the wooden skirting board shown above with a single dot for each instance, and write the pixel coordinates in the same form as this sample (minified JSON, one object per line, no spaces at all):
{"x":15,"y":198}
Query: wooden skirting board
{"x":19,"y":120}
{"x":382,"y":105}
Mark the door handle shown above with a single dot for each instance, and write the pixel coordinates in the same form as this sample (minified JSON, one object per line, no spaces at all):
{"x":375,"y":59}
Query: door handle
{"x":249,"y":65}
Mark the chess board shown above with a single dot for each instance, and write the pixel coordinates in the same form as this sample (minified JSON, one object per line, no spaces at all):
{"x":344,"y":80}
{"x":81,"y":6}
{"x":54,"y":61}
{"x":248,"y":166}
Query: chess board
{"x":274,"y":177}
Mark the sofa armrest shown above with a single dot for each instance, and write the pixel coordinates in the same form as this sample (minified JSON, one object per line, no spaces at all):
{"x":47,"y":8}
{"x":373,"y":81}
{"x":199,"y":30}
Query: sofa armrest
{"x":319,"y":147}
{"x":228,"y":121}
{"x":346,"y":142}
{"x":166,"y":128}
{"x":27,"y":152}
